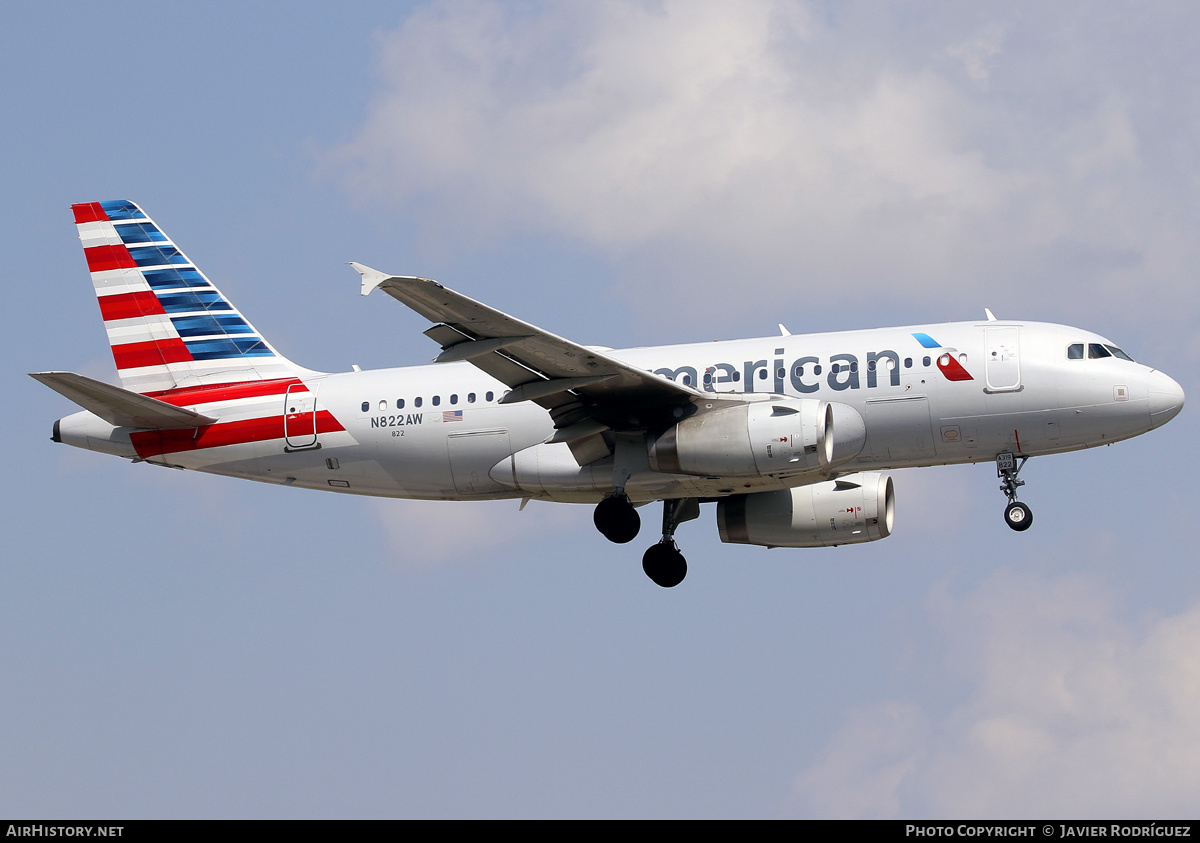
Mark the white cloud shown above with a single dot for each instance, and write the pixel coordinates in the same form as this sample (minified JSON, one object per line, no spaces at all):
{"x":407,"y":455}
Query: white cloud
{"x":864,"y":765}
{"x":774,"y":144}
{"x":976,"y":52}
{"x":1072,"y":711}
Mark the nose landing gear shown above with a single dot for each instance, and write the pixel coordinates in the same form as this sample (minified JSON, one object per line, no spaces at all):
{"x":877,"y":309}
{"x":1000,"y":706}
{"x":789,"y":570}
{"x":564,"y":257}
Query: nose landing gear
{"x":1017,"y":515}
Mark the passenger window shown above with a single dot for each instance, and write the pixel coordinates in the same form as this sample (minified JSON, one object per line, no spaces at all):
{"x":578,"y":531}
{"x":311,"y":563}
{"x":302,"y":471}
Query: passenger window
{"x":437,"y":400}
{"x":762,"y":374}
{"x":870,"y":365}
{"x":366,"y":408}
{"x":817,"y":369}
{"x":470,"y":397}
{"x":383,"y":406}
{"x":799,"y":371}
{"x":737,"y":376}
{"x":453,"y":399}
{"x":417,"y":402}
{"x":908,"y":362}
{"x":836,"y":368}
{"x":962,"y":358}
{"x":1096,"y":351}
{"x":1075,"y":351}
{"x":687,"y":381}
{"x":781,"y":373}
{"x":488,"y":397}
{"x":399,"y":403}
{"x":924,"y":361}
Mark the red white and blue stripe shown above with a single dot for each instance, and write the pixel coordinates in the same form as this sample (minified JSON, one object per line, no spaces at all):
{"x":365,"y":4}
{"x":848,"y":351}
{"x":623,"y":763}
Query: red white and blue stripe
{"x":167,"y":324}
{"x":251,"y":411}
{"x":175,"y":337}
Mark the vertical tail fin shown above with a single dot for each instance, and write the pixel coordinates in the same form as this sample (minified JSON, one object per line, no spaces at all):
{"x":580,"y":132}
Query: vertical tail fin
{"x":168,"y":326}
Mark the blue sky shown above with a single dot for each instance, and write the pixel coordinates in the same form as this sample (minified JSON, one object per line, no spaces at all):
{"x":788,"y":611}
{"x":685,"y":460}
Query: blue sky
{"x":178,"y":645}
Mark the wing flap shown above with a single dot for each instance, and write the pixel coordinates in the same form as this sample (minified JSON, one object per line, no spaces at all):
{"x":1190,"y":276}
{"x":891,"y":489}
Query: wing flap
{"x":118,"y":406}
{"x":542,"y":388}
{"x":471,"y":349}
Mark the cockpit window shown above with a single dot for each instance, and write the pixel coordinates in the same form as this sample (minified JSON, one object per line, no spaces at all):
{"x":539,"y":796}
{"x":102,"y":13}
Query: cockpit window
{"x":1075,"y":351}
{"x":1116,"y":352}
{"x":1096,"y":351}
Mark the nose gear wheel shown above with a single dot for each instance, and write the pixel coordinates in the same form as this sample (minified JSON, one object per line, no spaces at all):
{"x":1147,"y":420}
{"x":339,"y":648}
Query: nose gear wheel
{"x":1017,"y":515}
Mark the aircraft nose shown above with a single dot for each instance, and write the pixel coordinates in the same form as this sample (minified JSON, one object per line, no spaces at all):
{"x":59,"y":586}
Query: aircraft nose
{"x":1166,"y":398}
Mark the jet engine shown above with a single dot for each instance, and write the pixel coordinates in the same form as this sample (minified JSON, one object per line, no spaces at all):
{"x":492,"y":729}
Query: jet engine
{"x":756,"y":439}
{"x":851,"y":509}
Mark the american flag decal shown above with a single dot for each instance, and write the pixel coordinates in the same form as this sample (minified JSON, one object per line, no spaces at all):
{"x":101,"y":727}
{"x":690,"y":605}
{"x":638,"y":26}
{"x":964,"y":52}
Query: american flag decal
{"x":451,"y":415}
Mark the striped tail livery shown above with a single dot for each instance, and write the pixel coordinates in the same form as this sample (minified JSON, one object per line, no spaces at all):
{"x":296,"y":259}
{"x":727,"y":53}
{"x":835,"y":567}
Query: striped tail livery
{"x":195,"y":373}
{"x":168,"y":326}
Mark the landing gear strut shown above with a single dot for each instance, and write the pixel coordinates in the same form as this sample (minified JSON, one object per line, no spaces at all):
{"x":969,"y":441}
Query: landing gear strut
{"x":663,"y":562}
{"x":1016,"y":515}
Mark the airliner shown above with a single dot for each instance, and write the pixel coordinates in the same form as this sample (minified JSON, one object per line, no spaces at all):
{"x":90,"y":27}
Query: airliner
{"x":790,"y":435}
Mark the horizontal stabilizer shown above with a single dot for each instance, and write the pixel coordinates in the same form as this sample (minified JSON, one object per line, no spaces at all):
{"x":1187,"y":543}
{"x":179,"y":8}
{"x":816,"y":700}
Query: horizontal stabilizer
{"x":118,"y":406}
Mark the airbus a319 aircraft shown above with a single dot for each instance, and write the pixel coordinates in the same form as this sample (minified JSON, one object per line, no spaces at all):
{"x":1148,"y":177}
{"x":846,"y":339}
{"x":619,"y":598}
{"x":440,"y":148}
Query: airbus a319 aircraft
{"x":788,"y":435}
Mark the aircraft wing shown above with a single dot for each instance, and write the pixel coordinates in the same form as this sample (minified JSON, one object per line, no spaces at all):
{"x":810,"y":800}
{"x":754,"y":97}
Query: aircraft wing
{"x":585,"y":390}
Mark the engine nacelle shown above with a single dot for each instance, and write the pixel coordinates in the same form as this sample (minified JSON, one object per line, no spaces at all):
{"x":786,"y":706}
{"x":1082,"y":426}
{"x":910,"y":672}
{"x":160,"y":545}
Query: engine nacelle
{"x":766,"y":437}
{"x":852,"y":509}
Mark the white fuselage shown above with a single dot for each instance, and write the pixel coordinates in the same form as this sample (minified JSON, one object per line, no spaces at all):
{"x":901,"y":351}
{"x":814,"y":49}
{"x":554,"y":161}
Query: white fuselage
{"x":929,"y":395}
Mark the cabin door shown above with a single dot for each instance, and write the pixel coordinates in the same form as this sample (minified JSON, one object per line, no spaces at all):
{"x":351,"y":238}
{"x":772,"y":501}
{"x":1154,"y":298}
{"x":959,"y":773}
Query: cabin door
{"x":1002,"y":360}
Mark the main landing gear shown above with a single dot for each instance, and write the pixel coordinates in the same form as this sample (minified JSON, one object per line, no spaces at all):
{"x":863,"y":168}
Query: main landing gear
{"x":663,"y":562}
{"x":1016,"y":515}
{"x":619,"y":522}
{"x":616,"y":519}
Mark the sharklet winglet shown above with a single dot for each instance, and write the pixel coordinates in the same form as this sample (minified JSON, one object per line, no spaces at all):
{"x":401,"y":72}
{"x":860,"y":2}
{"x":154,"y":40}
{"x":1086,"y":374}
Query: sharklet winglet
{"x":371,"y":278}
